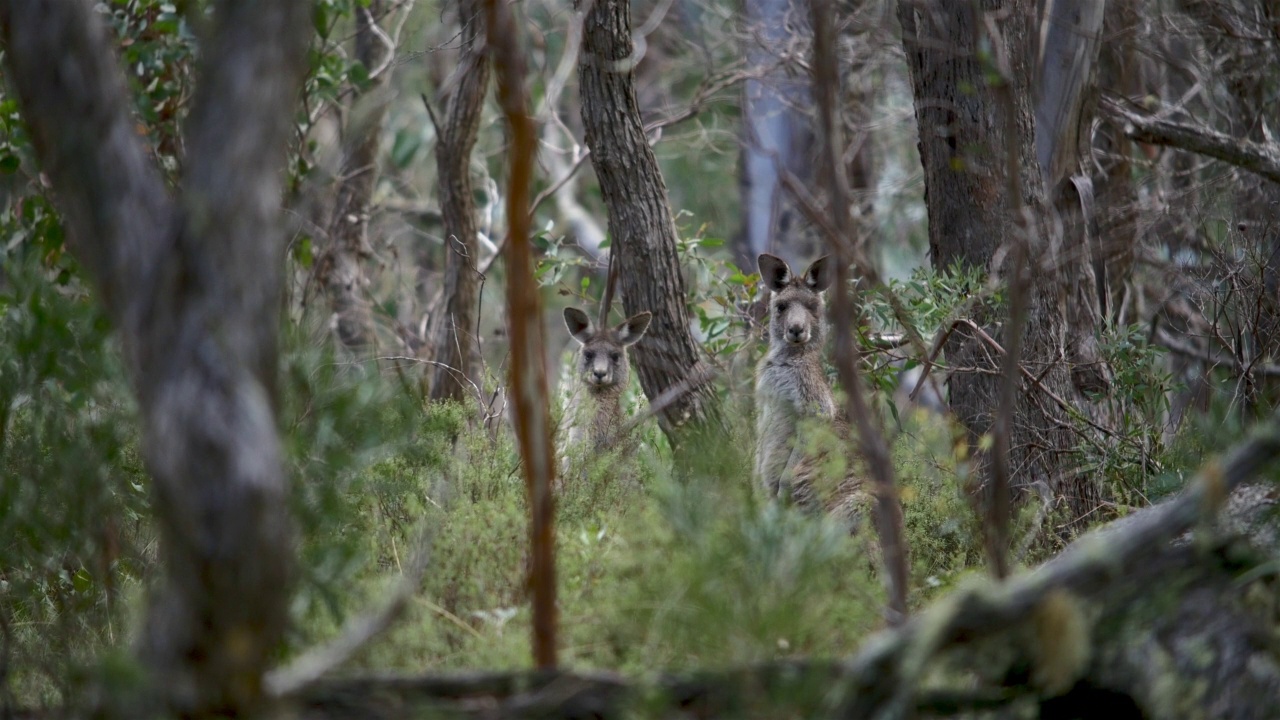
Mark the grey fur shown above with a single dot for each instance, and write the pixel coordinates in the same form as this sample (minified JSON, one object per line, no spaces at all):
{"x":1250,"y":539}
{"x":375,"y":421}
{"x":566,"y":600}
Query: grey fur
{"x":792,"y":390}
{"x":601,"y":374}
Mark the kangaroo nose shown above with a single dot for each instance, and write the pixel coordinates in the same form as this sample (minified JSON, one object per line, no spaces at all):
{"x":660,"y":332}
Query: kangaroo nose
{"x":600,"y":373}
{"x":795,"y":332}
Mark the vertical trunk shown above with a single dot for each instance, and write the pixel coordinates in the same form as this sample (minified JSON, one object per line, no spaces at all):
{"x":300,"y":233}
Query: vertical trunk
{"x":778,"y":134}
{"x":455,"y":340}
{"x":640,"y":222}
{"x":963,"y":147}
{"x":192,"y":286}
{"x":341,"y":273}
{"x":1119,"y":71}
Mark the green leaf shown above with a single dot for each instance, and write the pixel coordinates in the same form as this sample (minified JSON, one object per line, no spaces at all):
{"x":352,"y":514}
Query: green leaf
{"x":304,"y":253}
{"x":320,"y":17}
{"x":405,"y":146}
{"x":358,"y":75}
{"x":9,"y":164}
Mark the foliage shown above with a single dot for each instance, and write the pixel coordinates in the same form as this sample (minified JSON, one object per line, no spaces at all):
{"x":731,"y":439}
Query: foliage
{"x":74,"y":532}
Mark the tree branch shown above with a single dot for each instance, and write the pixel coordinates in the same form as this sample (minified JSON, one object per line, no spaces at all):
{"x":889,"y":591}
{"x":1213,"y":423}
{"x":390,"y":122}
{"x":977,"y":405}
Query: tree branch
{"x":1262,"y":159}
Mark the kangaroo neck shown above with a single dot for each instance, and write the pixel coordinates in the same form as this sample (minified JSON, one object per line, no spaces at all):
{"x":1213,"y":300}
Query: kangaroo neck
{"x":807,"y":353}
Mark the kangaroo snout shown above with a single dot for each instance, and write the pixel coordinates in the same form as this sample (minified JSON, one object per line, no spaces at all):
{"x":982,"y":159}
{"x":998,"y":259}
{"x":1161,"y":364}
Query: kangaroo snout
{"x":797,"y":334}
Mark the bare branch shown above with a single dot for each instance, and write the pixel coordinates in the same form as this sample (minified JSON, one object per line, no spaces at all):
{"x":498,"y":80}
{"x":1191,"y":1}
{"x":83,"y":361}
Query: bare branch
{"x":1262,"y":159}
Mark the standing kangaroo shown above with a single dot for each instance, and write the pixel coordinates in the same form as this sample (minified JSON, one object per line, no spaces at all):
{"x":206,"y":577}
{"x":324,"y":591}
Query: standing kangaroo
{"x":595,"y":411}
{"x":792,"y":392}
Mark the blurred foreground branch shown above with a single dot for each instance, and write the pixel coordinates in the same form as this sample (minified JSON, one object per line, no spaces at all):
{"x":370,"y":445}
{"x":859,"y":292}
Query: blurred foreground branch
{"x":530,"y":397}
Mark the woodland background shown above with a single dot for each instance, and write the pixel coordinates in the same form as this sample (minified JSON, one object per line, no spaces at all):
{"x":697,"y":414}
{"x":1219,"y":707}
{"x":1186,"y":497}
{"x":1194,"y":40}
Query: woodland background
{"x":278,"y":282}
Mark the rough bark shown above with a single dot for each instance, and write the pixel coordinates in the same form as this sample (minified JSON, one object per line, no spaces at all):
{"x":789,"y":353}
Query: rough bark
{"x":640,"y":221}
{"x":455,"y":338}
{"x":191,"y":285}
{"x":1117,"y":212}
{"x":968,"y":190}
{"x":341,"y":272}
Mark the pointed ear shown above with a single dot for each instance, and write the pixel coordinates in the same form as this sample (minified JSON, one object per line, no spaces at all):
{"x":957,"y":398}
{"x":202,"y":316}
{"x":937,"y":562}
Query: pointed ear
{"x":578,"y":323}
{"x":630,"y":332}
{"x":820,"y":274}
{"x":774,"y":271}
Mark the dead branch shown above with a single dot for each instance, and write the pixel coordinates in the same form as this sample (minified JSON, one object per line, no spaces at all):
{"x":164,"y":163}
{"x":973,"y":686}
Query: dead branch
{"x":1262,"y":159}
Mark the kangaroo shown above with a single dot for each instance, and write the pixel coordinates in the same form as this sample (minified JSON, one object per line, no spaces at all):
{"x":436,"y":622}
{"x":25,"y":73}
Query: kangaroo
{"x":595,"y":411}
{"x":792,"y":391}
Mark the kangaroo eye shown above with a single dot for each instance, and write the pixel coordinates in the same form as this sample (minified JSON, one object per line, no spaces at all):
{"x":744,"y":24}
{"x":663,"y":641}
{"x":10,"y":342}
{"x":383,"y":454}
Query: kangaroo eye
{"x":615,"y":356}
{"x":589,"y":355}
{"x":812,"y":307}
{"x":782,"y":307}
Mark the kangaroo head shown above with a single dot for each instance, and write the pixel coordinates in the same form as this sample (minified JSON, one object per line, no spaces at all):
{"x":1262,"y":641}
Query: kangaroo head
{"x":796,"y":308}
{"x":602,"y":359}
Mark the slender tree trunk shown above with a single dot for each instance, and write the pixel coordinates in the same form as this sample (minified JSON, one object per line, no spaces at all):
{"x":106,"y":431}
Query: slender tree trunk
{"x":531,"y":406}
{"x":455,"y":340}
{"x":964,"y":145}
{"x":640,"y":221}
{"x":341,"y":271}
{"x":777,"y":133}
{"x":192,"y":285}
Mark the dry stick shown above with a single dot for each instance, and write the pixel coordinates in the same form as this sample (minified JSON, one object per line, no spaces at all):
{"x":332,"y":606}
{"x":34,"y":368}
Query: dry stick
{"x":888,"y":513}
{"x":999,"y":502}
{"x":1262,"y":159}
{"x":528,"y":358}
{"x":1063,"y":404}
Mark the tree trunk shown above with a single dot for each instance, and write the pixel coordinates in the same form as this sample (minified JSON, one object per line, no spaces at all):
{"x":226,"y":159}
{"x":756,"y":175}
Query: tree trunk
{"x":192,"y":286}
{"x":778,"y":134}
{"x":341,"y":272}
{"x":640,"y":222}
{"x":970,"y":198}
{"x":455,"y":340}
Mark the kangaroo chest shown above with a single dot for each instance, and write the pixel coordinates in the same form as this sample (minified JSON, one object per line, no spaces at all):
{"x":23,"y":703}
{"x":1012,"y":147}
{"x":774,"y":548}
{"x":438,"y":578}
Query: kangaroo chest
{"x":794,"y":389}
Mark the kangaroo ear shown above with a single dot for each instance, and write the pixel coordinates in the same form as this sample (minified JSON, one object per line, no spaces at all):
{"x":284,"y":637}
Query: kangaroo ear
{"x":774,"y":271}
{"x":578,"y":323}
{"x":820,"y":274}
{"x":630,"y":332}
